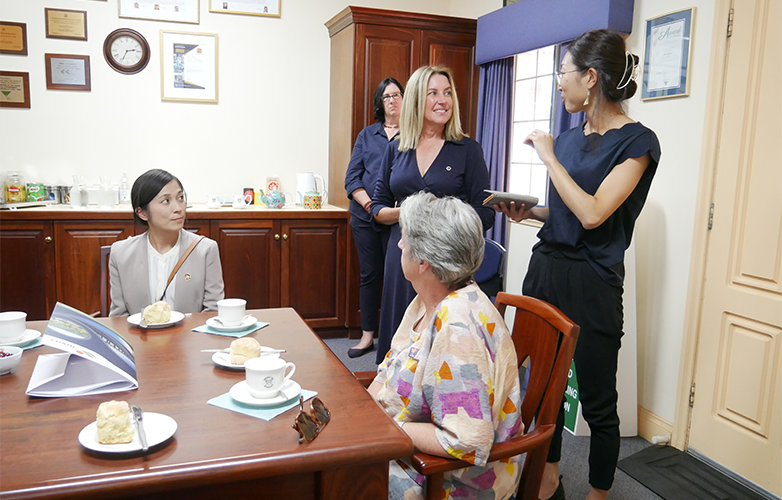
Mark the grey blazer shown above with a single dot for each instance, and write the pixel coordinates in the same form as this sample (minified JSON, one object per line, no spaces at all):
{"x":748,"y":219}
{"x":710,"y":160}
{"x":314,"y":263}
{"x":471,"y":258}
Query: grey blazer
{"x":199,"y":282}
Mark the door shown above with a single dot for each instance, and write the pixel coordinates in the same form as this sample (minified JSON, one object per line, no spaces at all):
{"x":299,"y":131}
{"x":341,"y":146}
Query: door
{"x":457,"y":52}
{"x":77,"y":252}
{"x":736,"y":419}
{"x":250,"y":256}
{"x":313,"y":270}
{"x":27,"y":281}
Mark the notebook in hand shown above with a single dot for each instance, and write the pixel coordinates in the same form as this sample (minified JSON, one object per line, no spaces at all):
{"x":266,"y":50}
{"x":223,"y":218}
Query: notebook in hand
{"x":497,"y":197}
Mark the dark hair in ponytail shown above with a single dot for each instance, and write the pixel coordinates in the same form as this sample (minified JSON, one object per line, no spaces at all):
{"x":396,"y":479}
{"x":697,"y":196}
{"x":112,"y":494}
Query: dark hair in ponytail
{"x":604,"y":51}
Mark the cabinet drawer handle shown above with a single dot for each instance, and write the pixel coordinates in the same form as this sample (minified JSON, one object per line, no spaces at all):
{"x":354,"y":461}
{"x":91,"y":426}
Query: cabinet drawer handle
{"x":277,"y":237}
{"x":48,"y":239}
{"x":285,"y":237}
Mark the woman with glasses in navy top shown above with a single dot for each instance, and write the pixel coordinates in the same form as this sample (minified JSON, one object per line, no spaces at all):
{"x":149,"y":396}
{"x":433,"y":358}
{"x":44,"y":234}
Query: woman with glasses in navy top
{"x":599,"y":175}
{"x":432,"y":155}
{"x":360,"y":179}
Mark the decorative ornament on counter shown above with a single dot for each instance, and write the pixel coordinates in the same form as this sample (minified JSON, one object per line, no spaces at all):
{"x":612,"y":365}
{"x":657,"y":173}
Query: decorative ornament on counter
{"x":126,"y":51}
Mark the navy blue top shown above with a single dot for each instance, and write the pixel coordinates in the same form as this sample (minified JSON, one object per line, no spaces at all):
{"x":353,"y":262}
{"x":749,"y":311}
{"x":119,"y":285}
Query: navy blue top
{"x":459,"y":170}
{"x":589,"y":160}
{"x":364,"y":166}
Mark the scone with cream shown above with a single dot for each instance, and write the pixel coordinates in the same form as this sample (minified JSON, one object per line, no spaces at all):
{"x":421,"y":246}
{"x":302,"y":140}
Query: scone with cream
{"x":244,"y":349}
{"x":114,"y":423}
{"x":159,"y":312}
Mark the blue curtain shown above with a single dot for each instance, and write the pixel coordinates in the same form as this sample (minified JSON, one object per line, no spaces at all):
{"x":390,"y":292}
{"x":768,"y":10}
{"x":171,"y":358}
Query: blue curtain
{"x":564,"y":121}
{"x":495,"y":95}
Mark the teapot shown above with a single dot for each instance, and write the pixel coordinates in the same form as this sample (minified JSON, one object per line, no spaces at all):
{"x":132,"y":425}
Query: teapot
{"x":306,"y":182}
{"x":274,"y":198}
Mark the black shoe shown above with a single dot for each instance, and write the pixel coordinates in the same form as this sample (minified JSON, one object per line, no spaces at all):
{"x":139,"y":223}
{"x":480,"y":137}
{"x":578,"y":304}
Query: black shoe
{"x":356,"y":352}
{"x":560,"y":493}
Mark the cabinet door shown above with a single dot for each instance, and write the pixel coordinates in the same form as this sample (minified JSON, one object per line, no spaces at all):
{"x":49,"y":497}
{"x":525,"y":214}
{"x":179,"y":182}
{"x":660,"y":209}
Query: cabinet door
{"x":456,"y":51}
{"x":27,"y":280}
{"x":381,"y":52}
{"x":77,"y":251}
{"x":250,"y":256}
{"x":313,"y":270}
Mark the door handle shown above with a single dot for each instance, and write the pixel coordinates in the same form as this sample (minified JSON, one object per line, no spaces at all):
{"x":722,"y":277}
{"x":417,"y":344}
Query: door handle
{"x":48,"y":239}
{"x":277,"y":237}
{"x":285,"y":237}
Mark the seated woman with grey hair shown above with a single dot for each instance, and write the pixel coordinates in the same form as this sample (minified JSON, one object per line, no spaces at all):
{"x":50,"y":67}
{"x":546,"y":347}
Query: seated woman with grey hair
{"x":451,"y":377}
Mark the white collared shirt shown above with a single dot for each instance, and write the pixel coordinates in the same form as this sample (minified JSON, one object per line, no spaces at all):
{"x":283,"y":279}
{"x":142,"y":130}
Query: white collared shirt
{"x":160,"y":267}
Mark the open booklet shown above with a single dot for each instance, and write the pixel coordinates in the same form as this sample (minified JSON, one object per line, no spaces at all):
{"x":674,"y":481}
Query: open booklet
{"x":96,"y":359}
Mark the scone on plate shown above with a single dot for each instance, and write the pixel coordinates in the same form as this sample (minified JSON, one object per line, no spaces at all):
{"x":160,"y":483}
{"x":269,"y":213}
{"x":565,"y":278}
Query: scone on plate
{"x":159,"y":312}
{"x":114,"y":423}
{"x":244,"y":349}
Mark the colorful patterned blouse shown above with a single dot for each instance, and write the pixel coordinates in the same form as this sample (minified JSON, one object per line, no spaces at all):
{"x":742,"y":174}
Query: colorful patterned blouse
{"x":461,"y":374}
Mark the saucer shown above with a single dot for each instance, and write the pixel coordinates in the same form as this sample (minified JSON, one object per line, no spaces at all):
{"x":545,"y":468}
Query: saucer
{"x":27,"y":337}
{"x":157,"y":426}
{"x":176,"y":317}
{"x":247,"y":322}
{"x":223,"y":359}
{"x":241,"y":394}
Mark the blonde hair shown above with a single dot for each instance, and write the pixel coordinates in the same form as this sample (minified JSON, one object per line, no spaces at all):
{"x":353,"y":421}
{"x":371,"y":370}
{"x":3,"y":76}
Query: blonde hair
{"x":411,"y":119}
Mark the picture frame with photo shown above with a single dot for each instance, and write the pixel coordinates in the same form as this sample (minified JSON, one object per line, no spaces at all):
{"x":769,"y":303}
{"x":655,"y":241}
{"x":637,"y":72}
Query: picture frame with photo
{"x":188,"y":66}
{"x":667,"y":55}
{"x":176,"y":11}
{"x":264,"y":8}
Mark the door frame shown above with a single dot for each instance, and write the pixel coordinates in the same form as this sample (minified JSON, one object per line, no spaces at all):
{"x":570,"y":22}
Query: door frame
{"x":705,"y":193}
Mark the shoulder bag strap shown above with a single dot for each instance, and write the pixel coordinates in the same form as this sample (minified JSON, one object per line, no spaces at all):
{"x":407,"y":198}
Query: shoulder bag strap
{"x":182,"y":260}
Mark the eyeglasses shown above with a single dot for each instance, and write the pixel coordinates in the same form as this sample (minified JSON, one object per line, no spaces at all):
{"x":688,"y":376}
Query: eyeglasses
{"x":560,"y":73}
{"x":310,"y":424}
{"x":394,"y":96}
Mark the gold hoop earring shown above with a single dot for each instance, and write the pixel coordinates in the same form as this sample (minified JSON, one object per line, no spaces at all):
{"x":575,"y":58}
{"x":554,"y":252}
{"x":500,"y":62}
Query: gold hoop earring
{"x":586,"y":101}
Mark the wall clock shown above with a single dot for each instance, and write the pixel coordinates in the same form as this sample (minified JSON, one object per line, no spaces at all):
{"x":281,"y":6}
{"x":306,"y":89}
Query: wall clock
{"x":126,"y":51}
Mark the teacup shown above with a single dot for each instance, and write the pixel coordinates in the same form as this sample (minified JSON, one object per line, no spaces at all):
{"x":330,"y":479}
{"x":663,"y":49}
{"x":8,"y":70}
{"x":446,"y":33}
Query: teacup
{"x":12,"y":326}
{"x":239,"y":201}
{"x":214,"y":200}
{"x":231,"y":311}
{"x":266,"y":376}
{"x":312,"y":200}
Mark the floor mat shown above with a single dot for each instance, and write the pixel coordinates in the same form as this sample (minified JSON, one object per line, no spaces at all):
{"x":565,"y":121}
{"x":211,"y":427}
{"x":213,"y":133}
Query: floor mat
{"x":675,"y":475}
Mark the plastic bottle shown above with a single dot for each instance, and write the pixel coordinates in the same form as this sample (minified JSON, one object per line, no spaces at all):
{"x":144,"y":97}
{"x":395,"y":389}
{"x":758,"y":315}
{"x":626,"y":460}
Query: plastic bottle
{"x":124,"y":189}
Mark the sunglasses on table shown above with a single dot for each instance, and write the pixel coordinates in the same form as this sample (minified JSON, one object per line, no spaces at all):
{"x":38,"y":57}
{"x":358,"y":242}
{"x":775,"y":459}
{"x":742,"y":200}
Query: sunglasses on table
{"x":310,"y":424}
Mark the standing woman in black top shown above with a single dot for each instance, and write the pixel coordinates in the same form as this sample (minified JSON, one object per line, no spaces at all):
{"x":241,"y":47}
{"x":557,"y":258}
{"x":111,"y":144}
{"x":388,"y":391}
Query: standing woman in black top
{"x":600,"y":175}
{"x":371,"y":239}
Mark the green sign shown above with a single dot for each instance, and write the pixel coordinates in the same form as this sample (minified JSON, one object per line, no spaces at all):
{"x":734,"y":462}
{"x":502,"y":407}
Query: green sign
{"x":571,"y":399}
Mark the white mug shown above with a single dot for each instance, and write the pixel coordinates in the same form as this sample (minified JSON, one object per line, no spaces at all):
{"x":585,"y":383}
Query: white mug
{"x":214,"y":200}
{"x":266,"y":376}
{"x":231,"y":311}
{"x":12,"y":326}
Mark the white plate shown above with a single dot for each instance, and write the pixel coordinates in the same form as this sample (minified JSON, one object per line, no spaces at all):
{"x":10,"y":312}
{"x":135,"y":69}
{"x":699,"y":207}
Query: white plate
{"x":27,"y":337}
{"x":247,"y":322}
{"x":241,"y":394}
{"x":157,"y":426}
{"x":223,"y":359}
{"x":176,"y":317}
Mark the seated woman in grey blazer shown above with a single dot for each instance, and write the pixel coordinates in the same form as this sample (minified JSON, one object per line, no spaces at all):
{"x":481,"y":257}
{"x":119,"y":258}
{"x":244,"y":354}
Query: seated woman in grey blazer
{"x":141,"y":265}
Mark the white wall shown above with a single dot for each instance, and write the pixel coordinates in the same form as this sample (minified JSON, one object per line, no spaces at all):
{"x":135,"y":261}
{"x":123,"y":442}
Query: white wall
{"x":271,"y":119}
{"x":664,"y":231}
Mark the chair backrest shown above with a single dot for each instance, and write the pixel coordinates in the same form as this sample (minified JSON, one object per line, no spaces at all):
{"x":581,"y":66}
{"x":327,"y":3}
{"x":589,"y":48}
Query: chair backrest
{"x":489,"y":276}
{"x":105,"y":281}
{"x":542,"y":333}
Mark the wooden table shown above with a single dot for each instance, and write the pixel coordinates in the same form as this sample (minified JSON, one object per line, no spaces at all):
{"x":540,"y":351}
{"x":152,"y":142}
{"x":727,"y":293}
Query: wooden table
{"x":215,"y":453}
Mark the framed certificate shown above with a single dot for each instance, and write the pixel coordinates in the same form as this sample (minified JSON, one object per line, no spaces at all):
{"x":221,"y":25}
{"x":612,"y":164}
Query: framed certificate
{"x":67,"y":72}
{"x":188,"y":66}
{"x":67,"y":24}
{"x":177,"y":11}
{"x":13,"y":38}
{"x":667,"y":55}
{"x":14,"y":89}
{"x":267,"y":8}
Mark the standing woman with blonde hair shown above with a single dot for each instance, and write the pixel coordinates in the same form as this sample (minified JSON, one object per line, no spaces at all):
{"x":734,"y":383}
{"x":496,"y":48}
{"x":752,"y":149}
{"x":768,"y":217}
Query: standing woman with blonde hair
{"x":599,"y":175}
{"x":433,"y":155}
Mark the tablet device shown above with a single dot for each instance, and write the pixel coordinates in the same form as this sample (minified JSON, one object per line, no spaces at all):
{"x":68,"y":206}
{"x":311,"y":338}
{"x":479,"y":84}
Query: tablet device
{"x":497,"y":197}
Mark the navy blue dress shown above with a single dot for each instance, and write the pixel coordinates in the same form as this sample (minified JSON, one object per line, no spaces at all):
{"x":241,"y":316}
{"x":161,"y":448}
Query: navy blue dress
{"x":459,"y":170}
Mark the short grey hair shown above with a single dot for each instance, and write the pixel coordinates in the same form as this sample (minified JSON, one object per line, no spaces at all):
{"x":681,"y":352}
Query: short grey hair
{"x":444,"y":232}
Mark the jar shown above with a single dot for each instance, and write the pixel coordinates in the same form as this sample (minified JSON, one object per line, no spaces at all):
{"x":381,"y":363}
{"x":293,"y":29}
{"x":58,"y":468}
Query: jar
{"x":14,"y":188}
{"x":36,"y":191}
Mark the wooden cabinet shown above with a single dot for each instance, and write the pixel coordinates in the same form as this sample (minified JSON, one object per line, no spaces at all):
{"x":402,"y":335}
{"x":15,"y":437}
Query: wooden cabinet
{"x":27,"y":277}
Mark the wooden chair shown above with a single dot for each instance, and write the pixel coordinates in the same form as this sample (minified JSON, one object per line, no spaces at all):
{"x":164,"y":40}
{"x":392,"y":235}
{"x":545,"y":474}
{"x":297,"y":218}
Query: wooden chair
{"x":105,"y":281}
{"x":545,"y":335}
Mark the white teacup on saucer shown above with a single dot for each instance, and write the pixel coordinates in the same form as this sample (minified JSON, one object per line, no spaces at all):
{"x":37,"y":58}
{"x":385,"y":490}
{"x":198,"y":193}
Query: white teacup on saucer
{"x":266,"y":376}
{"x":231,"y":312}
{"x":12,"y":326}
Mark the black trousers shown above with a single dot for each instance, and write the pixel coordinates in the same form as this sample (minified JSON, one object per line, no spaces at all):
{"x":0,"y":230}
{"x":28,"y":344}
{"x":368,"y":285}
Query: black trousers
{"x":371,"y":248}
{"x":570,"y":283}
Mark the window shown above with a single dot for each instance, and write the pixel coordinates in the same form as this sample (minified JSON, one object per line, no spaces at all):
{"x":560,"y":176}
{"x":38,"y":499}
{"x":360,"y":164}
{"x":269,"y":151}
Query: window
{"x":533,"y":96}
